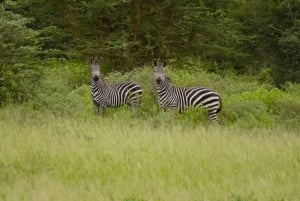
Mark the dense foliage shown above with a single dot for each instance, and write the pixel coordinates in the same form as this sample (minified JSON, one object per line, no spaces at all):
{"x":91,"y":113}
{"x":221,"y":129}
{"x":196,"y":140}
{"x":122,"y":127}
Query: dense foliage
{"x":257,"y":37}
{"x":18,"y":48}
{"x":247,"y":103}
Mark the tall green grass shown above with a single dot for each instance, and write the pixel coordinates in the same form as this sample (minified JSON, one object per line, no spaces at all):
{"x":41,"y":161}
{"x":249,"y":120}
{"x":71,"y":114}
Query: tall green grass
{"x":120,"y":159}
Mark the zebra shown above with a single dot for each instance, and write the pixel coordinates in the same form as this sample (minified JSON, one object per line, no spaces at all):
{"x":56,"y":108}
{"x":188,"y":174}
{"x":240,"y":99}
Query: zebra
{"x":170,"y":96}
{"x":112,"y":95}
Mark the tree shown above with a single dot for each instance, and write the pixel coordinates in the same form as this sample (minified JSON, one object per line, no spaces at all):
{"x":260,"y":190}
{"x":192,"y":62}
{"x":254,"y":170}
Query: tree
{"x":275,"y":25}
{"x":247,"y":36}
{"x":18,"y":48}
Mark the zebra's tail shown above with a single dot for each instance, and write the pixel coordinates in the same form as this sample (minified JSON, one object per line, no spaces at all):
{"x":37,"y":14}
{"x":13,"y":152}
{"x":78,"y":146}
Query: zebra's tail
{"x":220,"y":105}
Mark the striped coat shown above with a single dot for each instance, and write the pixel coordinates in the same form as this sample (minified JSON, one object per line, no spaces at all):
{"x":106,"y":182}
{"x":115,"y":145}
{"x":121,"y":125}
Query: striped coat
{"x":112,"y":95}
{"x":181,"y":98}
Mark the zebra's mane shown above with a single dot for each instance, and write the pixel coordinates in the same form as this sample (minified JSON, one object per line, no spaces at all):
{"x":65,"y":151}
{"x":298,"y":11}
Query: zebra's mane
{"x":102,"y":78}
{"x":168,"y":79}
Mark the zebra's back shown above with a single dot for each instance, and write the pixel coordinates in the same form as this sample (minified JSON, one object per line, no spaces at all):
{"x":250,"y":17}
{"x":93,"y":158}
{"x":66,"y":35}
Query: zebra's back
{"x":205,"y":97}
{"x":196,"y":97}
{"x":124,"y":93}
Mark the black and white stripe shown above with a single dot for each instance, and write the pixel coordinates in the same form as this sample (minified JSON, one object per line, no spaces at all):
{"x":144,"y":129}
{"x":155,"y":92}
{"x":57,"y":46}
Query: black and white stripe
{"x":170,"y":96}
{"x":112,"y":95}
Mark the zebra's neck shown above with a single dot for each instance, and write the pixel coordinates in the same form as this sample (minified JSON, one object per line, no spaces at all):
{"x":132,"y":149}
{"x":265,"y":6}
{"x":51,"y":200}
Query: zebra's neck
{"x":99,"y":83}
{"x":164,"y":88}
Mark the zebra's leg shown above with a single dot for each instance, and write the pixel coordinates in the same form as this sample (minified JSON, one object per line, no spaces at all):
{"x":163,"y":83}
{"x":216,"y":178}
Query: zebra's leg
{"x":212,"y":114}
{"x":103,"y":107}
{"x":180,"y":110}
{"x":134,"y":104}
{"x":175,"y":108}
{"x":134,"y":101}
{"x":164,"y":108}
{"x":134,"y":110}
{"x":96,"y":108}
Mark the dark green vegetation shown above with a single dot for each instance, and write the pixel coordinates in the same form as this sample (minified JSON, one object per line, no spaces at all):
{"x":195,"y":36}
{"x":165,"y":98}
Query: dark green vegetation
{"x":64,"y":91}
{"x":257,"y":37}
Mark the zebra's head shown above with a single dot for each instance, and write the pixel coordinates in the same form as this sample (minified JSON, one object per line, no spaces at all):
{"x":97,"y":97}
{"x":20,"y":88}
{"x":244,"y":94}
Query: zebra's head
{"x":95,"y":68}
{"x":159,"y":71}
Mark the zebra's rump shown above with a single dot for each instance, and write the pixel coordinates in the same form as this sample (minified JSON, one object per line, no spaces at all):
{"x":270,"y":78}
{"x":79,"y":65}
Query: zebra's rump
{"x":127,"y":92}
{"x":203,"y":97}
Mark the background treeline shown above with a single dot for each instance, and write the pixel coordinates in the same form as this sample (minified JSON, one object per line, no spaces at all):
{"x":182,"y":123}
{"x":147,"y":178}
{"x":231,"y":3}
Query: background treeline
{"x":260,"y":37}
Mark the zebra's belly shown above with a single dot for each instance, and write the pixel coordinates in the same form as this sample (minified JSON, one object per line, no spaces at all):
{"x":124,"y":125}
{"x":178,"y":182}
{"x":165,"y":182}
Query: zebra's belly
{"x":115,"y":104}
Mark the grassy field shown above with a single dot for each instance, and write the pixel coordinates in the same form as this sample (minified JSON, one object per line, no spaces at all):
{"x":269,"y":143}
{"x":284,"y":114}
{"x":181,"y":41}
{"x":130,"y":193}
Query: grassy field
{"x":133,"y":160}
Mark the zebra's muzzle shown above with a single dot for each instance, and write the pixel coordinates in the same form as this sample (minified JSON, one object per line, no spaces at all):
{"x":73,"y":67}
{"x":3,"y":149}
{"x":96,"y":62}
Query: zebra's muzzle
{"x":158,"y":80}
{"x":95,"y":78}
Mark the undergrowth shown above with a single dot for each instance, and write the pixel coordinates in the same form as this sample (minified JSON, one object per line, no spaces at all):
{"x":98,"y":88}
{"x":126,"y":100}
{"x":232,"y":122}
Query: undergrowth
{"x":65,"y":92}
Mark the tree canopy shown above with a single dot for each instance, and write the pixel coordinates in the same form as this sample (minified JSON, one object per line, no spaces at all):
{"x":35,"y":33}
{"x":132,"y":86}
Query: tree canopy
{"x":244,"y":36}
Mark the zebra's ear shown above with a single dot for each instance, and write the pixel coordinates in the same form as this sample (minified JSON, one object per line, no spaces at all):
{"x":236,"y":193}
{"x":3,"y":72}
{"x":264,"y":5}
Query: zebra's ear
{"x":98,"y":61}
{"x":91,"y":60}
{"x":154,"y":62}
{"x":165,"y":63}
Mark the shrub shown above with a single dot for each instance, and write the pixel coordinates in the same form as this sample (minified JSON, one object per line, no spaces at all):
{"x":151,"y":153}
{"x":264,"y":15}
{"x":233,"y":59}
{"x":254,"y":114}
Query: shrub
{"x":64,"y":91}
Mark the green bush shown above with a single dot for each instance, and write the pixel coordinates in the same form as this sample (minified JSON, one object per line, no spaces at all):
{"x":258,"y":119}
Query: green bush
{"x":19,"y":73}
{"x":64,"y":91}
